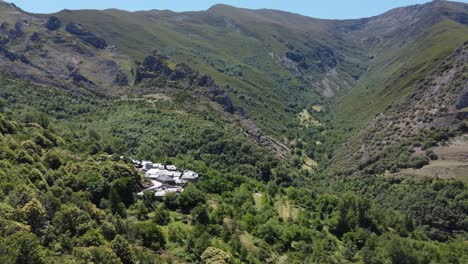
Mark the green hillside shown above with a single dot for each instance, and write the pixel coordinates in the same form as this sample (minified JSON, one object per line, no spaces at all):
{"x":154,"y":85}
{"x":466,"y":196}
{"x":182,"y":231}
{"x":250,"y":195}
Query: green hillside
{"x":315,"y":141}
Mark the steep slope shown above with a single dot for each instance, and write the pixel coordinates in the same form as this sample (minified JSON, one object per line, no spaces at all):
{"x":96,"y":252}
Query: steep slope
{"x":405,"y":44}
{"x":269,"y":68}
{"x":46,"y":51}
{"x":405,"y":133}
{"x":274,"y":63}
{"x":52,"y":52}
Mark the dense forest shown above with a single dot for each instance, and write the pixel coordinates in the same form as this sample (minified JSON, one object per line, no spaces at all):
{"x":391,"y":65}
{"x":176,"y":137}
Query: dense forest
{"x":66,"y":196}
{"x":312,"y":140}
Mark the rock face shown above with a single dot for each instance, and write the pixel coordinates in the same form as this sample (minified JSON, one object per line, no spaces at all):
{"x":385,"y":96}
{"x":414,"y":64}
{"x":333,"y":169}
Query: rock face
{"x":181,"y":71}
{"x":24,"y":59}
{"x":77,"y":29}
{"x":463,"y":101}
{"x":326,"y":56}
{"x":8,"y":54}
{"x":95,"y":41}
{"x":53,"y":23}
{"x":121,"y":79}
{"x":77,"y":77}
{"x":204,"y":81}
{"x":296,"y":57}
{"x":155,"y":63}
{"x":154,"y":71}
{"x":86,"y":36}
{"x":220,"y":96}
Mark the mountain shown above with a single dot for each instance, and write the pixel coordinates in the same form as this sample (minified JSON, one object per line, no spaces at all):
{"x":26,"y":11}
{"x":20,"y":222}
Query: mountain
{"x":316,"y":141}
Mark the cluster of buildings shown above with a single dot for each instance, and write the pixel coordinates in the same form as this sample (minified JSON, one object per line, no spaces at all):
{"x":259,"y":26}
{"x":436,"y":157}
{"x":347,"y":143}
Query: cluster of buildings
{"x":165,"y":178}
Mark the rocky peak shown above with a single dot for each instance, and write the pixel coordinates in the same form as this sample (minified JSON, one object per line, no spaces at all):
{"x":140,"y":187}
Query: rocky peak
{"x":85,"y":35}
{"x":53,"y":23}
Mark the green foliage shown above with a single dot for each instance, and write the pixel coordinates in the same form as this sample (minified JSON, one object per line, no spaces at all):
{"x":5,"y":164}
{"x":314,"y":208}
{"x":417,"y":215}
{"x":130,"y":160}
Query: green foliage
{"x":62,"y":195}
{"x":150,"y":234}
{"x":121,"y":247}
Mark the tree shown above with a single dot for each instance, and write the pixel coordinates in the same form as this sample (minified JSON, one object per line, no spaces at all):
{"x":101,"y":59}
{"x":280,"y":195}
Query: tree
{"x":201,"y":215}
{"x":91,"y":238}
{"x":161,"y":215}
{"x":150,"y":234}
{"x":121,"y":247}
{"x":53,"y":160}
{"x":190,"y":198}
{"x":34,"y":214}
{"x":170,"y":201}
{"x":214,"y":255}
{"x":21,"y":247}
{"x":102,"y":254}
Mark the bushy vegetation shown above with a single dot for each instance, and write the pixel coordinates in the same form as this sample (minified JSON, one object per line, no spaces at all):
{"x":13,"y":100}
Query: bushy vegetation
{"x":66,"y":196}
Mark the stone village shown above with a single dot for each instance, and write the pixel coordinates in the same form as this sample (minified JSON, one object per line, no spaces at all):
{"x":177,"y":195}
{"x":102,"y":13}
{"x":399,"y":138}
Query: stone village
{"x":164,"y":178}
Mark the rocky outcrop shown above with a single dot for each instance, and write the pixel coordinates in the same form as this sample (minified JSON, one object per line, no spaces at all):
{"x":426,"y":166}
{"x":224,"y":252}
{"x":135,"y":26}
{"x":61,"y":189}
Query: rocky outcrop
{"x":86,"y":36}
{"x":155,"y":63}
{"x":77,"y":77}
{"x":461,"y":18}
{"x":24,"y":59}
{"x":18,"y":31}
{"x":326,"y":56}
{"x":204,"y":81}
{"x":181,"y":71}
{"x":121,"y":79}
{"x":220,"y":96}
{"x":8,"y":54}
{"x":53,"y":23}
{"x":33,"y":40}
{"x":77,"y":29}
{"x":462,"y":101}
{"x":296,"y":57}
{"x":95,"y":41}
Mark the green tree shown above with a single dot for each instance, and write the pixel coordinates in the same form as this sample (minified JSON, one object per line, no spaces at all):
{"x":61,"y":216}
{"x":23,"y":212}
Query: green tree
{"x":121,"y":247}
{"x":150,"y":234}
{"x":161,"y":215}
{"x":34,"y":214}
{"x":190,"y":198}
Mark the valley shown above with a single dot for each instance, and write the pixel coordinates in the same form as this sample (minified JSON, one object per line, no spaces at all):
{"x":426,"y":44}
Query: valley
{"x":314,"y":140}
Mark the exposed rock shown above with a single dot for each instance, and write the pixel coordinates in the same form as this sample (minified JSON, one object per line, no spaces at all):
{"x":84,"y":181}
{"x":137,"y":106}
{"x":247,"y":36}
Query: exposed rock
{"x":35,"y":37}
{"x":58,"y":40}
{"x":151,"y":63}
{"x":95,"y":41}
{"x":121,"y":78}
{"x":241,"y":112}
{"x":4,"y":27}
{"x":181,"y":71}
{"x":463,"y":101}
{"x":4,"y":41}
{"x":24,"y":59}
{"x":156,"y":64}
{"x":53,"y":23}
{"x":290,"y":46}
{"x":79,"y":78}
{"x":77,"y":29}
{"x":296,"y":57}
{"x":204,"y":81}
{"x":86,"y":36}
{"x":220,"y":96}
{"x":461,"y":18}
{"x":326,"y":56}
{"x":8,"y":54}
{"x":79,"y":49}
{"x":18,"y":32}
{"x":303,"y":65}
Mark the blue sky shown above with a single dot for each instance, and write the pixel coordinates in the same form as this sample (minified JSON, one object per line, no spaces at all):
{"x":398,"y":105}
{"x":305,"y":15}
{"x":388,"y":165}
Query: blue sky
{"x":335,"y":9}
